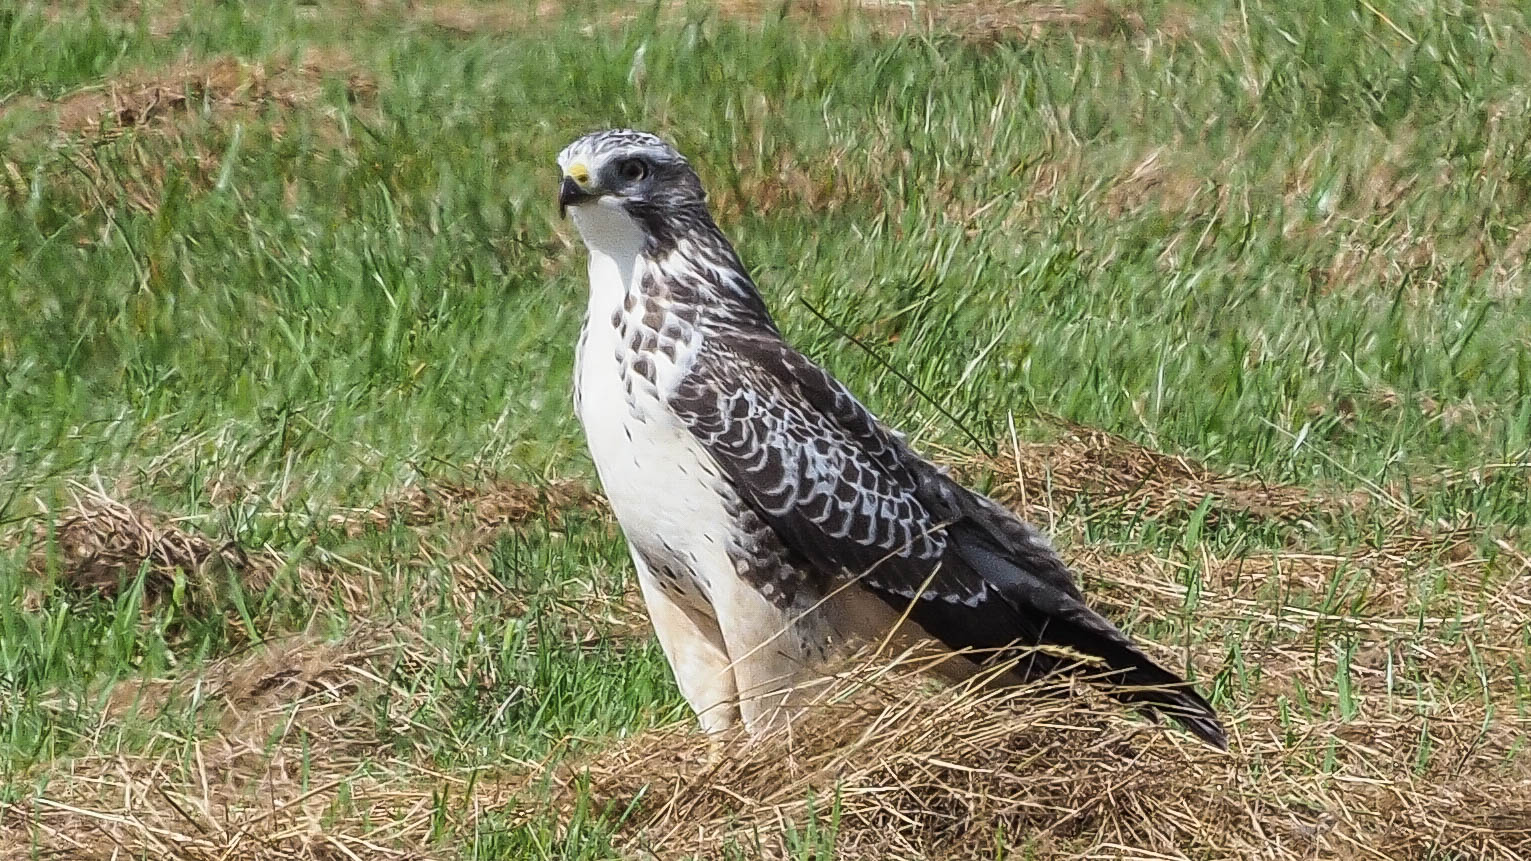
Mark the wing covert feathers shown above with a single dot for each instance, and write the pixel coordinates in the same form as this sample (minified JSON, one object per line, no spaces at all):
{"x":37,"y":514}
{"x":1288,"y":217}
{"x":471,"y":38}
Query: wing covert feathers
{"x":849,"y":499}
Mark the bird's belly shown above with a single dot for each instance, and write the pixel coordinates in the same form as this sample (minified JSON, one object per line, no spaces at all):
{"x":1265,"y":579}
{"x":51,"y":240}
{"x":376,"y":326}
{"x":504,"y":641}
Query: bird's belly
{"x":666,"y":494}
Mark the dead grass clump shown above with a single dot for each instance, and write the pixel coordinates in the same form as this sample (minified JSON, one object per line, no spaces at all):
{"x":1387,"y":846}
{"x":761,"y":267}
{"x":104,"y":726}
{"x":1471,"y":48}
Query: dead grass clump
{"x":258,"y":697}
{"x":102,"y":545}
{"x":990,"y":21}
{"x":1449,"y":414}
{"x":486,"y":507}
{"x":825,"y":184}
{"x":225,"y":84}
{"x":294,"y":765}
{"x":911,"y":774}
{"x":111,"y":167}
{"x":1172,"y":188}
{"x":1108,"y":470}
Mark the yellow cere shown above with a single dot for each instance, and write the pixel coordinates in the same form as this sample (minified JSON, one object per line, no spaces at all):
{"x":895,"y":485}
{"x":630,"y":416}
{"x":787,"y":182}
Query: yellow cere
{"x":579,"y":173}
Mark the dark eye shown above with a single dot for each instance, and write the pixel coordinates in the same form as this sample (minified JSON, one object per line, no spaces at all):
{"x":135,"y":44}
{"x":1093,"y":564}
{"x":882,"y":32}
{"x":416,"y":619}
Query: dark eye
{"x":633,"y":169}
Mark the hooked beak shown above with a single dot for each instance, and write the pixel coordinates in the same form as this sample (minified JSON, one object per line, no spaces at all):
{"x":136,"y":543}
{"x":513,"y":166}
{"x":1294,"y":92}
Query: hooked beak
{"x":571,"y":193}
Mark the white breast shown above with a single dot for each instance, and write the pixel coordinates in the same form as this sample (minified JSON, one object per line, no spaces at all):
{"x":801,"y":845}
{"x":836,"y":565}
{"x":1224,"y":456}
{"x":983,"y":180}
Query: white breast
{"x":662,"y":486}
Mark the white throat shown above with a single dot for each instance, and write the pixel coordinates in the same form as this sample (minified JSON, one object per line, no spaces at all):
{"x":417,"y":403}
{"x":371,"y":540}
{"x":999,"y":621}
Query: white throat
{"x":615,"y":241}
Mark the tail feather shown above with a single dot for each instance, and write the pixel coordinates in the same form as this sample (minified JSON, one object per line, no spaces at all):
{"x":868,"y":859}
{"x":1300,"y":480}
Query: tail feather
{"x":1006,"y":592}
{"x":1043,"y":614}
{"x":1132,"y":676}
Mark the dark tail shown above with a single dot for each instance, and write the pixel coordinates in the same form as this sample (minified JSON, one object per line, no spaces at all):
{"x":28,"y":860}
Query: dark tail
{"x":1133,"y":677}
{"x":1033,"y":601}
{"x":1055,"y":616}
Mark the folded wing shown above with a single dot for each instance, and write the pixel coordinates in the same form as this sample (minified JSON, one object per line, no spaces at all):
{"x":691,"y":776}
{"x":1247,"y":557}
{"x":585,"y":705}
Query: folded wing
{"x":849,"y":500}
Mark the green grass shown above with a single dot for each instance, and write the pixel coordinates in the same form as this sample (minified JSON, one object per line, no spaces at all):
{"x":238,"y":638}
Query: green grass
{"x":1285,"y":239}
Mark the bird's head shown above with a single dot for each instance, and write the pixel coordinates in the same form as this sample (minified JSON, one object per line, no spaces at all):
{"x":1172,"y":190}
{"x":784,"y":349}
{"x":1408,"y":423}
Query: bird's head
{"x":619,"y":180}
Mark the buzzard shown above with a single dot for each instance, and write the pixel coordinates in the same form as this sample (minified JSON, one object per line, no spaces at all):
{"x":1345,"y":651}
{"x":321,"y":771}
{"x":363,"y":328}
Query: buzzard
{"x":772,"y":519}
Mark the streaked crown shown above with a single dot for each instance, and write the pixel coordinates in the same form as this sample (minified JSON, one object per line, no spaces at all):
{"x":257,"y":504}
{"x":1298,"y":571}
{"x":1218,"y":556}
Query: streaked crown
{"x":638,"y":172}
{"x":599,"y":149}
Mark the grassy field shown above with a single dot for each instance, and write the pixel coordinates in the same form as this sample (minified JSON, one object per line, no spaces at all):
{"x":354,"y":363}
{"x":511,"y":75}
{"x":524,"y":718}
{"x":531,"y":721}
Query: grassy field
{"x":301,"y":556}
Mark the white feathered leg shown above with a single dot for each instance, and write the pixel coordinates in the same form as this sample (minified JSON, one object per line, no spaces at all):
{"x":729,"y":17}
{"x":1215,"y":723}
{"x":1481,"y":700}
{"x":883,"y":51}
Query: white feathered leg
{"x":694,"y":646}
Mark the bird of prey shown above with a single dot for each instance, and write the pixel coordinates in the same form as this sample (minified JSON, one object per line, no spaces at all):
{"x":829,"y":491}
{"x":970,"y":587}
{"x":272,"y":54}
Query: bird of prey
{"x":772,"y":519}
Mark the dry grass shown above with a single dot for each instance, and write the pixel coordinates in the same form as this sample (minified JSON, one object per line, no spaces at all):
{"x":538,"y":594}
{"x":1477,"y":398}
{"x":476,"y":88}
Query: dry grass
{"x":294,"y":763}
{"x":1447,"y":414}
{"x":294,"y":772}
{"x":825,"y":183}
{"x":160,"y":105}
{"x":915,"y":775}
{"x":99,"y":544}
{"x":485,"y":507}
{"x":160,"y":17}
{"x":1038,"y":479}
{"x":912,"y":772}
{"x":290,"y":765}
{"x":294,"y":759}
{"x":1158,"y":179}
{"x":995,"y":21}
{"x":220,"y":86}
{"x":974,"y":21}
{"x":979,"y":21}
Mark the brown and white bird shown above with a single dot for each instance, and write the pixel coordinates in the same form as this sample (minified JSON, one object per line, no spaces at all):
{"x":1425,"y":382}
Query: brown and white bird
{"x":773,"y":520}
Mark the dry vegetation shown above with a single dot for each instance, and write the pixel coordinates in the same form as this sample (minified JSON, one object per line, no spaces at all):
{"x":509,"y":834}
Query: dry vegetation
{"x":908,"y":771}
{"x":143,"y":125}
{"x":911,"y":774}
{"x":220,"y":87}
{"x":1082,"y":463}
{"x":281,"y":731}
{"x":977,"y":21}
{"x":99,"y":545}
{"x":99,"y":542}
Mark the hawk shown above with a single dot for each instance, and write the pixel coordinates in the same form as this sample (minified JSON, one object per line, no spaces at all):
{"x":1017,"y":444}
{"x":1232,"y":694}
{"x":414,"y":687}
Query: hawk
{"x":772,"y":519}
